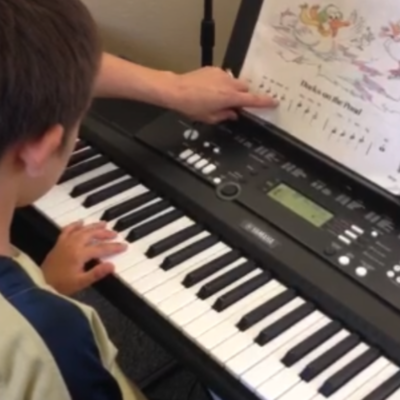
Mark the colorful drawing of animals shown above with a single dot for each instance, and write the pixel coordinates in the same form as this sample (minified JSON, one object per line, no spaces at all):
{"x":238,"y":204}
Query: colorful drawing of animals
{"x":327,"y":20}
{"x":391,"y":33}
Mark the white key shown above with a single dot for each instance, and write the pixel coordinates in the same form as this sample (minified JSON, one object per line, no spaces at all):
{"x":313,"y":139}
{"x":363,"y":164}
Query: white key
{"x":139,"y":248}
{"x":256,"y":353}
{"x":199,"y":307}
{"x":153,"y":283}
{"x":82,"y":212}
{"x":375,"y":382}
{"x":212,"y":317}
{"x":271,"y":365}
{"x":188,"y":295}
{"x":244,"y":340}
{"x":60,"y":193}
{"x":161,"y":234}
{"x":277,"y":385}
{"x":318,"y":381}
{"x":147,"y":266}
{"x":394,"y":396}
{"x":321,"y":349}
{"x":74,"y":203}
{"x":50,"y":198}
{"x":301,"y":391}
{"x":69,"y":185}
{"x":53,"y":198}
{"x":360,"y":379}
{"x":232,"y":316}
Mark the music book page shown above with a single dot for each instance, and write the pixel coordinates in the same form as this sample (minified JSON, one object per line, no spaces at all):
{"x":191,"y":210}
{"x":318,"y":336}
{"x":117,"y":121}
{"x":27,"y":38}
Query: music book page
{"x":335,"y":68}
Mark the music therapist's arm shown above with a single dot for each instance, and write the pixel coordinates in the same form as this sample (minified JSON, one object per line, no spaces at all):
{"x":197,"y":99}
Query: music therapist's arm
{"x":119,"y":78}
{"x":207,"y":94}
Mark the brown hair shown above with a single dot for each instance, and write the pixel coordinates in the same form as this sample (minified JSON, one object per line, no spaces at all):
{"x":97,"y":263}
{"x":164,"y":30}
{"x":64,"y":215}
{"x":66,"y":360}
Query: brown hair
{"x":49,"y":57}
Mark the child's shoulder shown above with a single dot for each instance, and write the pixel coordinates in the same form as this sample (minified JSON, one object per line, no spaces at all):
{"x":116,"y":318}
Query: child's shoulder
{"x":48,"y":339}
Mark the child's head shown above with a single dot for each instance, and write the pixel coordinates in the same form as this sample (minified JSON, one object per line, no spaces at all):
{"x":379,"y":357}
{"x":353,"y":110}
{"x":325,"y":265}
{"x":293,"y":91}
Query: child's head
{"x":49,"y":58}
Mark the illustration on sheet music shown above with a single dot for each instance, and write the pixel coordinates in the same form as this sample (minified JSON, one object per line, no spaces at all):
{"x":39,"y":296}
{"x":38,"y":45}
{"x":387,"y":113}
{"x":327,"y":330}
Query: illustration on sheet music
{"x":334,"y":65}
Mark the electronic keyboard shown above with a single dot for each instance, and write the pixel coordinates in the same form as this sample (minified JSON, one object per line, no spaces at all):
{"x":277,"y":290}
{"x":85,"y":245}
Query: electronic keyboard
{"x":265,"y":278}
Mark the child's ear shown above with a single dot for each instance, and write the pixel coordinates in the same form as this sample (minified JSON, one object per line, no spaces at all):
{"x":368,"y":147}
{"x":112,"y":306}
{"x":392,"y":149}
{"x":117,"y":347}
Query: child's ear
{"x":35,"y":154}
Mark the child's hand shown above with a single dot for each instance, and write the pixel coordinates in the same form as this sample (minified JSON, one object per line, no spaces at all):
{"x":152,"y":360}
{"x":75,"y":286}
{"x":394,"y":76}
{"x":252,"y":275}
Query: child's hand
{"x":77,"y":244}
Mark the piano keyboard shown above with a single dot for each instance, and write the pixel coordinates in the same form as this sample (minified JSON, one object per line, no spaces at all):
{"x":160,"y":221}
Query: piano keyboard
{"x":279,"y":345}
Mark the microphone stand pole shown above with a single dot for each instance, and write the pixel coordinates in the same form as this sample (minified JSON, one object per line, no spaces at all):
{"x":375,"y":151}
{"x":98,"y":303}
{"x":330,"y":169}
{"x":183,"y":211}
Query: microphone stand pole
{"x":207,"y":34}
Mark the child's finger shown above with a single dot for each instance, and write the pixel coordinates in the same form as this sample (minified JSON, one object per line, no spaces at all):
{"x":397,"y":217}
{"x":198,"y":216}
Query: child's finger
{"x":91,"y":236}
{"x":95,"y":274}
{"x":102,"y":250}
{"x":71,"y":228}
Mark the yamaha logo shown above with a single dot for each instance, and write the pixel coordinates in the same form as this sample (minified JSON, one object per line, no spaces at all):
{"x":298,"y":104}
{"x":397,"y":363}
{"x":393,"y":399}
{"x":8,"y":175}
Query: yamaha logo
{"x":259,"y":233}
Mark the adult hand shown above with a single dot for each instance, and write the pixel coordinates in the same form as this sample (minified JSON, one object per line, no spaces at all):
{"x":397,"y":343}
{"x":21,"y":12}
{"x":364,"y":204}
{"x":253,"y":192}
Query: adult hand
{"x":212,"y":95}
{"x":64,"y":266}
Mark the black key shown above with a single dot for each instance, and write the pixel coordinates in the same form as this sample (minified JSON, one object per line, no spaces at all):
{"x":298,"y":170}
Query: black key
{"x":82,"y":168}
{"x":80,"y":144}
{"x":95,"y":183}
{"x":266,"y":309}
{"x":141,"y":215}
{"x":386,"y":389}
{"x":307,"y":346}
{"x":331,"y":356}
{"x":154,"y":225}
{"x":128,"y":205}
{"x":210,"y":288}
{"x":340,"y":378}
{"x":210,"y":268}
{"x":83,"y":155}
{"x":109,"y":192}
{"x":188,"y":252}
{"x":174,"y":240}
{"x":282,"y":325}
{"x":240,"y":292}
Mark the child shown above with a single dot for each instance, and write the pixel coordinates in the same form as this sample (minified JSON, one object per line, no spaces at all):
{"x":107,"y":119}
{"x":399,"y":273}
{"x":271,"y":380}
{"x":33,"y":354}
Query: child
{"x":51,"y":347}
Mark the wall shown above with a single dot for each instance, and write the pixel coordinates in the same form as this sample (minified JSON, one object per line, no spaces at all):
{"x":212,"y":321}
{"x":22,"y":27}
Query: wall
{"x":161,"y":33}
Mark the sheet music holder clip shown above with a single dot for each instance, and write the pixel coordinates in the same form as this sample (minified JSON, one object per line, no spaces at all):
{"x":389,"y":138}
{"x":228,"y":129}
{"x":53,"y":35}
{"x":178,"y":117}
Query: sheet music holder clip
{"x":207,"y":34}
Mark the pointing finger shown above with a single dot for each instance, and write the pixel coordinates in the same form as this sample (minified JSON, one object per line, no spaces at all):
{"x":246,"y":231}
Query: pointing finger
{"x":251,"y":100}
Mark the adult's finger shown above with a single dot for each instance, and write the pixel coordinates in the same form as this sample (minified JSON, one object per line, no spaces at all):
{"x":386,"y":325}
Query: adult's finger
{"x":240,"y":85}
{"x":223,"y":116}
{"x":242,"y":100}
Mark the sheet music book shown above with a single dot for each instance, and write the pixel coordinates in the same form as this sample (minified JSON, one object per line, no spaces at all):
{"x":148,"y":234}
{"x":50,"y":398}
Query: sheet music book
{"x":335,"y":68}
